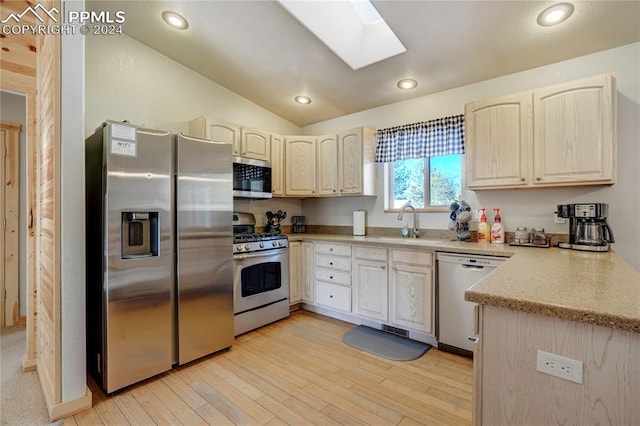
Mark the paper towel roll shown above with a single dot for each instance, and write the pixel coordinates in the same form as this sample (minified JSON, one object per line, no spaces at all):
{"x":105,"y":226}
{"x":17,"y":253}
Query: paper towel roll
{"x":358,"y":222}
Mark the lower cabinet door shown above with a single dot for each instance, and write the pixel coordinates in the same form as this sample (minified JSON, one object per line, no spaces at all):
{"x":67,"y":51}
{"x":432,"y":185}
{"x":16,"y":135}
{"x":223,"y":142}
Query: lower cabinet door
{"x":371,"y":290}
{"x":333,"y":296}
{"x":412,"y":297}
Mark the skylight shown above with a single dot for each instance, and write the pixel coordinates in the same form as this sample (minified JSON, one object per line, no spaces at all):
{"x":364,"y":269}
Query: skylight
{"x":352,"y":29}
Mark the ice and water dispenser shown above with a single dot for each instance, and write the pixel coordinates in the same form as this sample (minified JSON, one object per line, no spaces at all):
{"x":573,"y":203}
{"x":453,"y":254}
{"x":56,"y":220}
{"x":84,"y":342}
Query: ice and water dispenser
{"x":139,"y":234}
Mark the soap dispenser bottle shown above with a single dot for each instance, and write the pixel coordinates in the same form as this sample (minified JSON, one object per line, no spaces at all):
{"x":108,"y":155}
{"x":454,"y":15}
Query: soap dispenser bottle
{"x":484,"y":233}
{"x":497,"y":230}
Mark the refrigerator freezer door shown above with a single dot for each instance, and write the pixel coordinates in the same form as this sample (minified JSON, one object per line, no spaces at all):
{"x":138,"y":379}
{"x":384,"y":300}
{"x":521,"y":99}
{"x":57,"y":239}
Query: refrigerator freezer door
{"x":204,"y":205}
{"x":137,"y":289}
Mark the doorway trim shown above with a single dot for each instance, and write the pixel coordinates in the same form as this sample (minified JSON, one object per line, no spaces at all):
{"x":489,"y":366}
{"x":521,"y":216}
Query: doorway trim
{"x":10,"y":223}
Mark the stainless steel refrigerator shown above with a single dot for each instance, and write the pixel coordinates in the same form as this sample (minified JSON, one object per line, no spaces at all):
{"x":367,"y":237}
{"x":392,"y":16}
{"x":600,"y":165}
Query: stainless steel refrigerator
{"x":159,"y":251}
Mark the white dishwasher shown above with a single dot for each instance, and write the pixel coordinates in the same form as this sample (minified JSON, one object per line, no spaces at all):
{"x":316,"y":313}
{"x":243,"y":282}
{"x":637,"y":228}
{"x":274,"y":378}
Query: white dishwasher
{"x":456,"y":273}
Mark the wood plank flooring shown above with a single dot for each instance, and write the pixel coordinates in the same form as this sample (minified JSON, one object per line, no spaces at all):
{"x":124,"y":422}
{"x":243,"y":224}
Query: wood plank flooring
{"x":295,"y":372}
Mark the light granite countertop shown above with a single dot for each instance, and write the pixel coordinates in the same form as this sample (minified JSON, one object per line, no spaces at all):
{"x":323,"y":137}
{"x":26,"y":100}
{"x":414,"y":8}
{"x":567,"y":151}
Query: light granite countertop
{"x":596,"y":288}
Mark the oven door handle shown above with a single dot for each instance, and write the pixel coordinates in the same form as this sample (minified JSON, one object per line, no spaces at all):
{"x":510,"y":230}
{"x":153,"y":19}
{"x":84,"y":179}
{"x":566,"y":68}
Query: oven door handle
{"x":259,"y":254}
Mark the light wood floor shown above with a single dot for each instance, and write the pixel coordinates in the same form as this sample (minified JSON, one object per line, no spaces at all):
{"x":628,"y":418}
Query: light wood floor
{"x":296,"y":371}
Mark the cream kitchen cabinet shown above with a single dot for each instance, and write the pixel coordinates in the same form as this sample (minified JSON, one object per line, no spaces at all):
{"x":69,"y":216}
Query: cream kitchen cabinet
{"x":306,"y":272}
{"x":333,"y":276}
{"x":561,"y":135}
{"x":328,"y":164}
{"x":575,"y":133}
{"x":295,"y":272}
{"x":412,"y":290}
{"x":498,"y":141}
{"x":216,"y":130}
{"x":254,"y":144}
{"x":356,"y":162}
{"x":277,"y":165}
{"x":346,"y":163}
{"x":300,"y":165}
{"x":371,"y":283}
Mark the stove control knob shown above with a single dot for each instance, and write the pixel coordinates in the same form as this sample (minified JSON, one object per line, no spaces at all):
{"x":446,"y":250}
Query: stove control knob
{"x":247,"y":247}
{"x":261,"y":245}
{"x":274,"y":244}
{"x":280,"y":243}
{"x":239,"y":247}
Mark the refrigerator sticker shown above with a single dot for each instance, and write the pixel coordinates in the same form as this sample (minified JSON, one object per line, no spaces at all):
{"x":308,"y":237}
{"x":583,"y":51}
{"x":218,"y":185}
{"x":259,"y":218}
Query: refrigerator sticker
{"x":119,"y":131}
{"x":120,"y":147}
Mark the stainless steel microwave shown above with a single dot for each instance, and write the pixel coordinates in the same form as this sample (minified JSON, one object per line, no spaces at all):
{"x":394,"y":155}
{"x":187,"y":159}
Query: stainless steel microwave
{"x":251,"y":178}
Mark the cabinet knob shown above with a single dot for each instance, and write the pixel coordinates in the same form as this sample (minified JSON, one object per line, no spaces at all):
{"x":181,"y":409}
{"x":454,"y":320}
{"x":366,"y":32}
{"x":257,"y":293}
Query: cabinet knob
{"x":331,"y":263}
{"x":330,"y":249}
{"x":522,"y":179}
{"x":334,"y":190}
{"x":331,"y":277}
{"x":313,"y":192}
{"x":395,"y":268}
{"x":472,"y":339}
{"x":383,"y":267}
{"x":538,"y":178}
{"x":331,"y":296}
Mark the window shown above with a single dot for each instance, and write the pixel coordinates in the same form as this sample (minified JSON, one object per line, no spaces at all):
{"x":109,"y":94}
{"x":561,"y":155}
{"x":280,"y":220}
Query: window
{"x":423,"y":162}
{"x":429,"y":183}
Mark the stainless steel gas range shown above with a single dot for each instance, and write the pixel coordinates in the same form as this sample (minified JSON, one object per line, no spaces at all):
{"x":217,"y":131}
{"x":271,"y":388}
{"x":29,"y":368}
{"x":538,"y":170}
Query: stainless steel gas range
{"x":260,"y":275}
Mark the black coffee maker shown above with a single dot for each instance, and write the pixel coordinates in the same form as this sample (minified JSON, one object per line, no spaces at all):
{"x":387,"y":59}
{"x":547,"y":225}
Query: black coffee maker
{"x":588,"y":227}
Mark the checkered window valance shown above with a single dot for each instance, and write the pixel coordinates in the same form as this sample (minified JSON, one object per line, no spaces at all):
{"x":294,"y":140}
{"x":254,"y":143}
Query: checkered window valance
{"x":442,"y":136}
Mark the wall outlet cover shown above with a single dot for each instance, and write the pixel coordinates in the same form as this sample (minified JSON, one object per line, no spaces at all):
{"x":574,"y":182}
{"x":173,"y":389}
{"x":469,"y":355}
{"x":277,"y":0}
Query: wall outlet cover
{"x":559,"y":366}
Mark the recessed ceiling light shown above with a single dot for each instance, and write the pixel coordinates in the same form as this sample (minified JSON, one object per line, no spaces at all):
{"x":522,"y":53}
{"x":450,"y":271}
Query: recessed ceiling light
{"x":407,"y":84}
{"x":304,"y":100}
{"x":175,"y":20}
{"x":555,"y":14}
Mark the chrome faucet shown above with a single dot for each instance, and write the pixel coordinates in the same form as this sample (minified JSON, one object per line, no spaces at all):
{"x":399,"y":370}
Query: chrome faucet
{"x":416,"y":228}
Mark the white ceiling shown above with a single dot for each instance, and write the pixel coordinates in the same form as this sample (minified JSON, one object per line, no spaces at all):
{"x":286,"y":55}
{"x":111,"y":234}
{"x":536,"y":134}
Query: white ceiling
{"x":259,"y":51}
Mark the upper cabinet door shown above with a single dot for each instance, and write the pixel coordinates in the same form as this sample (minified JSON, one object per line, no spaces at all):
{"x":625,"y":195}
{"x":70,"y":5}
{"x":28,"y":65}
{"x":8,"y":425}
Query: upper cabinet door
{"x":300,"y":165}
{"x":328,"y":164}
{"x":216,"y":130}
{"x":350,"y":167}
{"x":575,"y":132}
{"x":255,"y":144}
{"x":498,"y":141}
{"x":277,"y":165}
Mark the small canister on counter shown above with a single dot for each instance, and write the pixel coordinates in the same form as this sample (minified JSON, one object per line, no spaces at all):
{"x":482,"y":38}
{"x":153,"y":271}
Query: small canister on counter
{"x":538,"y":237}
{"x":297,"y":224}
{"x":522,"y":236}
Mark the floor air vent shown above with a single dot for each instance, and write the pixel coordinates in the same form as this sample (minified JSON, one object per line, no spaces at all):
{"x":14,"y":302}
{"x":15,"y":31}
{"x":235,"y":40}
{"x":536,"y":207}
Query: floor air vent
{"x":395,"y":330}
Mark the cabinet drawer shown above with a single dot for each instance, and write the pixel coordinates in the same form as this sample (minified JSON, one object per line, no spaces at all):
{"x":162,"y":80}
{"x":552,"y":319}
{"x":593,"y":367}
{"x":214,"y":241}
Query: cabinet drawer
{"x":422,"y":258}
{"x":333,"y":296}
{"x":371,"y":253}
{"x":333,"y":276}
{"x":334,"y":249}
{"x":334,"y":263}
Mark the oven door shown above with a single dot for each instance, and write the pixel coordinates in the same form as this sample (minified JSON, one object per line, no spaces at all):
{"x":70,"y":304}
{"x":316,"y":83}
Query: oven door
{"x":260,"y":279}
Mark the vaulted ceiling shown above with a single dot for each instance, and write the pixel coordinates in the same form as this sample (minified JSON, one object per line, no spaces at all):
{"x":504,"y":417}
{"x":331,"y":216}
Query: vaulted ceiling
{"x":261,"y":52}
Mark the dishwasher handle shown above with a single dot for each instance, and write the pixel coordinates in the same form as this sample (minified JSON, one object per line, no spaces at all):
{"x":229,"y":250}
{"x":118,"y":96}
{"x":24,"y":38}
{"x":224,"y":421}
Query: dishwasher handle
{"x":473,"y":267}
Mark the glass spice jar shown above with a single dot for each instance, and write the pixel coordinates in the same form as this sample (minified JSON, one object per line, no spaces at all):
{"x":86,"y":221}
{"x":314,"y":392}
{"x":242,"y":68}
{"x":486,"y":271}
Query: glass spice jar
{"x":522,"y":236}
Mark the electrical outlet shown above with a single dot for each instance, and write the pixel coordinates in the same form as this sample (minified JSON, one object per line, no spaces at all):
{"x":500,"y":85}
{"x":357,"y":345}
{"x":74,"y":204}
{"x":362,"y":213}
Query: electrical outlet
{"x":559,"y":366}
{"x":557,"y":219}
